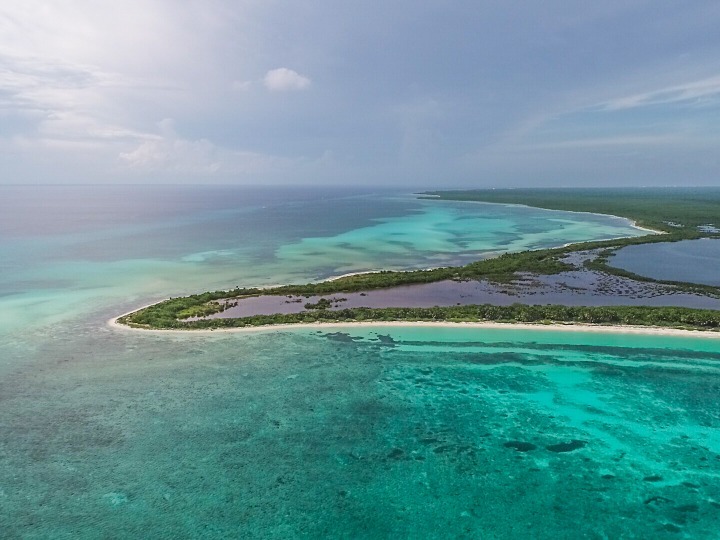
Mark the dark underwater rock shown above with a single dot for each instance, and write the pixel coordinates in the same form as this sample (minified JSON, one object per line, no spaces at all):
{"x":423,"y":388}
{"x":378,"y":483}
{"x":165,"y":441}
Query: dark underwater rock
{"x":575,"y":444}
{"x":653,"y":478}
{"x":520,"y":446}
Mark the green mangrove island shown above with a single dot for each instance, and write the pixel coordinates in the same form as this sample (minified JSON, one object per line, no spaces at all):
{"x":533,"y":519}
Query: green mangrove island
{"x":571,"y":284}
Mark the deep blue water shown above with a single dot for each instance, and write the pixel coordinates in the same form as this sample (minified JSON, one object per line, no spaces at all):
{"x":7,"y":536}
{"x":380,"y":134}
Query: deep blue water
{"x":343,"y":432}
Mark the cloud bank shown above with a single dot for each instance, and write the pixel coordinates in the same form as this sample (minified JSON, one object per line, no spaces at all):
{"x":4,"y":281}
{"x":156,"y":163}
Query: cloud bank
{"x":622,"y":92}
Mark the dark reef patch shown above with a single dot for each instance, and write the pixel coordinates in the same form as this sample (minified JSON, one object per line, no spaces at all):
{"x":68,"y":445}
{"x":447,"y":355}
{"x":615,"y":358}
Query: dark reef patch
{"x":653,"y":478}
{"x":342,"y":337}
{"x":520,"y":446}
{"x":575,"y":444}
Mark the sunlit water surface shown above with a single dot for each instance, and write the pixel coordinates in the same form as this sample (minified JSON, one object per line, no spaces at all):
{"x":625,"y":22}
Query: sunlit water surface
{"x":360,"y":433}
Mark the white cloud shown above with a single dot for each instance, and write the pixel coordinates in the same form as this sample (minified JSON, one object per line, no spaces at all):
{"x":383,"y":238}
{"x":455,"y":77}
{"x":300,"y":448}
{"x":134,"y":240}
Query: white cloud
{"x":283,"y":79}
{"x":173,"y":155}
{"x":75,"y":126}
{"x":607,"y":142}
{"x":690,"y":93}
{"x":170,"y":153}
{"x":74,"y":80}
{"x":71,"y":73}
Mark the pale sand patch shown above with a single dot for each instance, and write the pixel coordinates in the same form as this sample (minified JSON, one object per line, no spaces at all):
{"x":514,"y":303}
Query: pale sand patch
{"x":570,"y":327}
{"x":634,"y":224}
{"x":350,"y":274}
{"x":647,"y":229}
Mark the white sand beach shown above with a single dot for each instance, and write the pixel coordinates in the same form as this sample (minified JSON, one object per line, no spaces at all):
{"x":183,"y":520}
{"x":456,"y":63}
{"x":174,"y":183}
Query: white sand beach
{"x":569,"y":327}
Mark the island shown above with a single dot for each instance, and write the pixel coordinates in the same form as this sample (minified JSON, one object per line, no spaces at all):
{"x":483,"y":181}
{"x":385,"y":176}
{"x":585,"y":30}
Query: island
{"x":572,"y":284}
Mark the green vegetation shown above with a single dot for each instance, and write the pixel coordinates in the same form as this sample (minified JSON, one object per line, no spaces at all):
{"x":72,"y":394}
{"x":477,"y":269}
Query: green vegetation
{"x":678,"y":212}
{"x":656,"y":208}
{"x":699,"y":319}
{"x":501,"y":269}
{"x":324,"y":303}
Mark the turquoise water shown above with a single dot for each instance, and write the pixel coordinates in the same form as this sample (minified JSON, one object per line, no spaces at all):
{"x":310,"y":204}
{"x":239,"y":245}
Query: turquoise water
{"x":78,"y":253}
{"x":354,"y":433}
{"x":694,"y":261}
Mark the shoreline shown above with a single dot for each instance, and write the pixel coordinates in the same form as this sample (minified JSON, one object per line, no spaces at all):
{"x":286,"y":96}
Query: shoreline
{"x":113,"y":323}
{"x":487,"y":325}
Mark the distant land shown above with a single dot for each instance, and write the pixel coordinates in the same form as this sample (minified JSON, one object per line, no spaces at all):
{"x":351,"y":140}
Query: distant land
{"x":571,"y":284}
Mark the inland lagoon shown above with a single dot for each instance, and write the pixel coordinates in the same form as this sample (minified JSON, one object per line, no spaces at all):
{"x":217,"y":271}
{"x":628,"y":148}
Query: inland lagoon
{"x":694,"y":261}
{"x":359,"y":432}
{"x":572,"y":288}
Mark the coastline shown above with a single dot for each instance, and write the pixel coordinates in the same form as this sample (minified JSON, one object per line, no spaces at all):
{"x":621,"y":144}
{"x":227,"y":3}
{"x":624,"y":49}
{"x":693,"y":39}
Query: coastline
{"x":113,"y":323}
{"x":646,"y":229}
{"x":350,"y":274}
{"x":559,"y":326}
{"x":489,"y":325}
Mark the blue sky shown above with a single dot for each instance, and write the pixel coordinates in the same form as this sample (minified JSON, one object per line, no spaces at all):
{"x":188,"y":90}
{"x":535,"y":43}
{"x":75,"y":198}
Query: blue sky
{"x":433,"y":93}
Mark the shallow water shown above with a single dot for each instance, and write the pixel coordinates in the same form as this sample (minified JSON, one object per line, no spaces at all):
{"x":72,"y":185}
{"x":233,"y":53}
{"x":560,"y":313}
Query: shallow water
{"x":365,"y":433}
{"x":66,"y":251}
{"x":361,"y":433}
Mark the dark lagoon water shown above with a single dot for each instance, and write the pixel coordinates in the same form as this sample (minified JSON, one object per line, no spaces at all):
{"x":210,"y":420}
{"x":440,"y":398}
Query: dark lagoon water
{"x":576,"y":288}
{"x":344,"y":432}
{"x":694,"y":261}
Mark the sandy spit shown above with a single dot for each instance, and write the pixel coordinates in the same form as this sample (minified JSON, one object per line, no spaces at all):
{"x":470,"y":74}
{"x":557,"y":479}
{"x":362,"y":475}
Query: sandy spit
{"x":645,"y":330}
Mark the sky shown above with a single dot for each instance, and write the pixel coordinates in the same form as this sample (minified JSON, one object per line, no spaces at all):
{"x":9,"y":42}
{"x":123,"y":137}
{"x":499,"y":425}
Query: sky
{"x":410,"y":93}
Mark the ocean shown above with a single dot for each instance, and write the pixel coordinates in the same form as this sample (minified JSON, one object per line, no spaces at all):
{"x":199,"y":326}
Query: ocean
{"x":377,"y":432}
